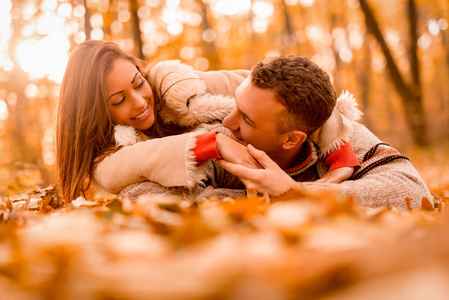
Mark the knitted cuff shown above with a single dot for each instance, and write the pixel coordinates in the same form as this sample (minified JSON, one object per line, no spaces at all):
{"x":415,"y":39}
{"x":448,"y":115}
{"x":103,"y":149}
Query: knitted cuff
{"x":206,"y":147}
{"x":342,"y":157}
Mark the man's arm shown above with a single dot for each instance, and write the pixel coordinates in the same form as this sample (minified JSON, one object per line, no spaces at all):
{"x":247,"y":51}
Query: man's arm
{"x":384,"y":185}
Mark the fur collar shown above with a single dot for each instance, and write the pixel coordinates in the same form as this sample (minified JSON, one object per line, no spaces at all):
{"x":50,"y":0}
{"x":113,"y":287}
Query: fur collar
{"x":183,"y":95}
{"x":339,"y":127}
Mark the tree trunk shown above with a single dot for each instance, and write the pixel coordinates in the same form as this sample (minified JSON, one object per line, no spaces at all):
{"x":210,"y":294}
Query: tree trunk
{"x":87,"y":26}
{"x":136,"y":29}
{"x":210,"y":49}
{"x":363,"y":79}
{"x":289,"y":39}
{"x":410,"y":94}
{"x":338,"y":85}
{"x":416,"y":108}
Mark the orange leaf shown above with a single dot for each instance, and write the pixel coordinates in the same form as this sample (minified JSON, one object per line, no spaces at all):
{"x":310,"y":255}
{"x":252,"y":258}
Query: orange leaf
{"x":426,"y":204}
{"x":243,"y":209}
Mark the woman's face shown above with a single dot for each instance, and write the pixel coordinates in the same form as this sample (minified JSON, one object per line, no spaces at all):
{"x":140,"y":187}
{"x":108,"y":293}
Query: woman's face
{"x":129,"y":96}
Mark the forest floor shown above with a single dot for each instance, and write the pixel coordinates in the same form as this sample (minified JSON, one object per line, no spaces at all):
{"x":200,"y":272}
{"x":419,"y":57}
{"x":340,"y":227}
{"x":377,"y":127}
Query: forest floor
{"x":305,"y":247}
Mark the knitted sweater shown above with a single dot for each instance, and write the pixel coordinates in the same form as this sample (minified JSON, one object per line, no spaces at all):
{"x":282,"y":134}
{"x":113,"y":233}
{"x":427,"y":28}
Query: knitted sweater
{"x":189,"y":99}
{"x":385,"y":177}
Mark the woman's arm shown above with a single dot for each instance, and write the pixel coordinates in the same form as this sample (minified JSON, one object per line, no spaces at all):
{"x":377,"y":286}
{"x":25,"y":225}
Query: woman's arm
{"x":169,"y":161}
{"x":223,"y":82}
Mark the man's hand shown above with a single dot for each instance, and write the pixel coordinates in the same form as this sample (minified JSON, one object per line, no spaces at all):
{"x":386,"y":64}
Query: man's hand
{"x":271,"y":179}
{"x":234,"y":152}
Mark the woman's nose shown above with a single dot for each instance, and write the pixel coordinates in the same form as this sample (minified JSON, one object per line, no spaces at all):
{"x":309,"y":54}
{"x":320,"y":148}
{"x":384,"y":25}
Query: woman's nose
{"x":138,"y":101}
{"x":230,"y":121}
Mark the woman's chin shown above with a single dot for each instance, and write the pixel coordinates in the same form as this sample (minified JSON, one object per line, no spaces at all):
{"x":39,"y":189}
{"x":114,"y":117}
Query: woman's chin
{"x":144,"y":124}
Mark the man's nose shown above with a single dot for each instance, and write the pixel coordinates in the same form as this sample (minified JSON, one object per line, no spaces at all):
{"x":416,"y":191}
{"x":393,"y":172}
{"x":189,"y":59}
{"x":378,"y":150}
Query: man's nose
{"x":230,"y":121}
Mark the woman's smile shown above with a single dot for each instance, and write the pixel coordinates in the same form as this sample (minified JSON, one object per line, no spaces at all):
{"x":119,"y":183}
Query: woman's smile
{"x":142,"y":115}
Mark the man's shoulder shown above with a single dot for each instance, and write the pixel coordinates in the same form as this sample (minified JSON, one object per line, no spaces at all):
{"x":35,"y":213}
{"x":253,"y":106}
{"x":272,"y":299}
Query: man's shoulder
{"x":362,"y":139}
{"x":373,"y":153}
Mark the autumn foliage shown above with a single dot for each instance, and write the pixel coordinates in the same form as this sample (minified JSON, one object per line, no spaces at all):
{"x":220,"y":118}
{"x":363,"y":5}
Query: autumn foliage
{"x":160,"y":247}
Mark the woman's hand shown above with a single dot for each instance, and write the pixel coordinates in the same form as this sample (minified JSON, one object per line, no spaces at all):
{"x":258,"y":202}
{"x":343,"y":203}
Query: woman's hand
{"x":337,"y":175}
{"x":234,"y":152}
{"x":271,"y":179}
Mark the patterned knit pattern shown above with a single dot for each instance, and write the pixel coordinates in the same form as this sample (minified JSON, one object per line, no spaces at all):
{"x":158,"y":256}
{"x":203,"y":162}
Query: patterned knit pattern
{"x":385,"y":178}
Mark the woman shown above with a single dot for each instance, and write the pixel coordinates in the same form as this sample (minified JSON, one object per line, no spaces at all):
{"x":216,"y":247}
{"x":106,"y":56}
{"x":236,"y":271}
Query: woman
{"x":104,"y":86}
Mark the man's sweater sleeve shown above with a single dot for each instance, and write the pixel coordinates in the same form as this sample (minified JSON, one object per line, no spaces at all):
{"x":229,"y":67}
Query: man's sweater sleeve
{"x":385,"y":177}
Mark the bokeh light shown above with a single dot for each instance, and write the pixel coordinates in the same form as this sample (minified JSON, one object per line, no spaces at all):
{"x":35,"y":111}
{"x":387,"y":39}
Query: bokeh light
{"x":3,"y":110}
{"x":45,"y":57}
{"x":175,"y":28}
{"x":263,"y":9}
{"x":187,"y":52}
{"x":79,"y":11}
{"x":443,"y":24}
{"x":314,"y":32}
{"x":49,"y":23}
{"x":231,"y":7}
{"x":123,"y":16}
{"x":201,"y":64}
{"x":96,"y":20}
{"x":5,"y":34}
{"x":97,"y":34}
{"x":209,"y":35}
{"x":306,"y":3}
{"x":425,"y":41}
{"x":31,"y":91}
{"x":64,"y":10}
{"x":433,"y":27}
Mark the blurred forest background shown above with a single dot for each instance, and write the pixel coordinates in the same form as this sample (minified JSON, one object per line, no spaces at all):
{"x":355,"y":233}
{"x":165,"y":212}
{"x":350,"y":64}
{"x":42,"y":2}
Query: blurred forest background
{"x":393,"y":55}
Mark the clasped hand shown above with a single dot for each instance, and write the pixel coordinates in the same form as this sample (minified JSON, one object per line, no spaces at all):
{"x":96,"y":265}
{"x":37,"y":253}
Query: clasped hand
{"x":254,"y":168}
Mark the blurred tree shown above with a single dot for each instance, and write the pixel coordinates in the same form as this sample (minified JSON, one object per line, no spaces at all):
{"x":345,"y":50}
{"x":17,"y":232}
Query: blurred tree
{"x":411,"y":94}
{"x":335,"y":21}
{"x":23,"y":125}
{"x":208,"y":37}
{"x":363,"y":79}
{"x":137,"y":33}
{"x":107,"y":20}
{"x":288,"y":37}
{"x":87,"y":25}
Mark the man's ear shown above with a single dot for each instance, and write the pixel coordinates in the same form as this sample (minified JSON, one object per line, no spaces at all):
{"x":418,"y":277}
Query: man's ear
{"x":293,"y":139}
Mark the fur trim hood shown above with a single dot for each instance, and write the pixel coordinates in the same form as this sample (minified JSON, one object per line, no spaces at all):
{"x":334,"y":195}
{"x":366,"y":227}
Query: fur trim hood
{"x":185,"y":101}
{"x":339,"y":127}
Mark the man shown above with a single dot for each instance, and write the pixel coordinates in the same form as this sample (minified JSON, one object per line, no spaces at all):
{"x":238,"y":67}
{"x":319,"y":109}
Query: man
{"x":276,"y":108}
{"x":283,"y":102}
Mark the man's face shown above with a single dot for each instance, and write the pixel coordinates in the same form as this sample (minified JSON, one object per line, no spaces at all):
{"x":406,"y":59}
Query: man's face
{"x":254,"y":118}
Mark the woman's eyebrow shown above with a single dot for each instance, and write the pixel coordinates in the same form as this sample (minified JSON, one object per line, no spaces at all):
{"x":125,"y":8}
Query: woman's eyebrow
{"x":109,"y":98}
{"x":135,"y":75}
{"x":132,"y":81}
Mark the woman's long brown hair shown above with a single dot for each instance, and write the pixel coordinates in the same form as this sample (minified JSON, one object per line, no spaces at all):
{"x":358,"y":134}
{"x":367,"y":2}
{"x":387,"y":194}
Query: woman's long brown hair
{"x":84,"y":128}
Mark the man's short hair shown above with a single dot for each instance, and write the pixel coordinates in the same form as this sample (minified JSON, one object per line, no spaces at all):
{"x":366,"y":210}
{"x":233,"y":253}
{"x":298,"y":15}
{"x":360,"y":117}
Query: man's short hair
{"x":301,"y":86}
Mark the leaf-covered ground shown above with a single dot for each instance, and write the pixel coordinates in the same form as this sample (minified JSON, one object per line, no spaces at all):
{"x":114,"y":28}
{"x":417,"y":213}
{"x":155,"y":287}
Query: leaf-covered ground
{"x":303,"y":247}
